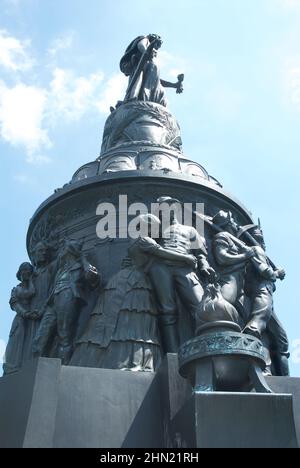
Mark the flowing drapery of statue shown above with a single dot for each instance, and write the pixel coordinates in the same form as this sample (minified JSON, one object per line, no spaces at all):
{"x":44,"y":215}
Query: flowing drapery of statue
{"x":123,"y":303}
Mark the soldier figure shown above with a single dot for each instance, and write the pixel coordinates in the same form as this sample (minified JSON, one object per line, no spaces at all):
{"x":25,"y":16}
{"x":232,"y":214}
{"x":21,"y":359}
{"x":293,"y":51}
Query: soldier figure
{"x":232,"y":260}
{"x":43,"y":277}
{"x":261,"y":286}
{"x":169,"y":277}
{"x":66,"y":301}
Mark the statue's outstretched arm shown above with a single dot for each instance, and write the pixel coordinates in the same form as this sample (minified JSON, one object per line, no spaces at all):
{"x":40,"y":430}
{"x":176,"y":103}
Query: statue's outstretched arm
{"x":178,"y":85}
{"x":152,"y":248}
{"x":171,"y":255}
{"x":168,"y":84}
{"x":225,"y":258}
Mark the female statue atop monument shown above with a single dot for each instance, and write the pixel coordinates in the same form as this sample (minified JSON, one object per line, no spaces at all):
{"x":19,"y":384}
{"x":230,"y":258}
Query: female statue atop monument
{"x":19,"y":348}
{"x":139,"y":63}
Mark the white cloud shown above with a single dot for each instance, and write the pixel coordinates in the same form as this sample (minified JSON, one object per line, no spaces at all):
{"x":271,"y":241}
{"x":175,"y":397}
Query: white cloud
{"x":61,"y":44}
{"x":14,"y":54}
{"x":71,"y":96}
{"x":27,"y":113}
{"x":2,"y":351}
{"x":22,"y":110}
{"x":114,"y":91}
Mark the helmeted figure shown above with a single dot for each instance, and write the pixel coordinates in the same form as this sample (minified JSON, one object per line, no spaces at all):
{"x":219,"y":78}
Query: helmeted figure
{"x":262,"y":277}
{"x":174,"y":278}
{"x":262,"y":281}
{"x":140,"y":65}
{"x":231,"y":260}
{"x":66,"y":301}
{"x":247,"y":267}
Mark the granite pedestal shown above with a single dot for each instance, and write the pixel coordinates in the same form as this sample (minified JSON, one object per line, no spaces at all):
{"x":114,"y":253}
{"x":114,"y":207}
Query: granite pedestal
{"x":47,"y":405}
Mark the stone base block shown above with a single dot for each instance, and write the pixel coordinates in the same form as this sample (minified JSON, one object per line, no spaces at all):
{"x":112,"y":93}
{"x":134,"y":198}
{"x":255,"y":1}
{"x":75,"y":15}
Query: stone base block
{"x":47,"y":405}
{"x":236,"y":420}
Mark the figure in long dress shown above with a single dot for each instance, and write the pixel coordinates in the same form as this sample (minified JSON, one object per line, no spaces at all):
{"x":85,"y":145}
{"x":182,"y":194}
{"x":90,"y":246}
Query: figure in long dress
{"x":24,"y":326}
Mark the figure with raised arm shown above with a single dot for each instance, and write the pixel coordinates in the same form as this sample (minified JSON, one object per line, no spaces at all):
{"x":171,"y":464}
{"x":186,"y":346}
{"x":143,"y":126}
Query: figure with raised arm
{"x":140,"y":65}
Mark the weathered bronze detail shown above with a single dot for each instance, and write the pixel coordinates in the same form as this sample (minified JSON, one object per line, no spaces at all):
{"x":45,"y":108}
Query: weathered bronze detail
{"x":123,"y":303}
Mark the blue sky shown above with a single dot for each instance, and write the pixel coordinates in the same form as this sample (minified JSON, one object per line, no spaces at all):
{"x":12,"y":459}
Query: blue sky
{"x":240,"y":113}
